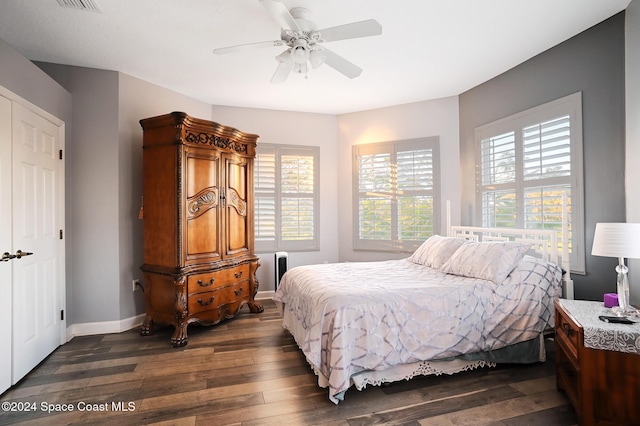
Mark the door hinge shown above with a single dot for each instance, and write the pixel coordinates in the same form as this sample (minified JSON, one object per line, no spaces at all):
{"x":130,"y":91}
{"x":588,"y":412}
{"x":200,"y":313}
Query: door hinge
{"x":61,"y":234}
{"x":60,"y":154}
{"x":62,"y":315}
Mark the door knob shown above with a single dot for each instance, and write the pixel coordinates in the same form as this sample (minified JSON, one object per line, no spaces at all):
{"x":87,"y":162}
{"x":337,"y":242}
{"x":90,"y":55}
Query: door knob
{"x":6,"y":256}
{"x":21,"y":253}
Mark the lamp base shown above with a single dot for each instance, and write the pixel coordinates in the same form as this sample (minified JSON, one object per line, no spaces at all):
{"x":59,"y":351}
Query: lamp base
{"x":622,"y":285}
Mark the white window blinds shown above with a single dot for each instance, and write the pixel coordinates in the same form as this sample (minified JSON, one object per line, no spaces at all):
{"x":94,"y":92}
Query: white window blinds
{"x":264,"y":182}
{"x":526,"y":164}
{"x":286,"y":193}
{"x":396,"y":192}
{"x":297,"y":197}
{"x":547,"y":149}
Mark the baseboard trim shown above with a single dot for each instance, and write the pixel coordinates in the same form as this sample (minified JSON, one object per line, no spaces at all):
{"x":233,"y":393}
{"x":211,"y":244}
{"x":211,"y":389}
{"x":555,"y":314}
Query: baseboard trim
{"x":105,"y":327}
{"x":264,"y":295}
{"x":108,"y":327}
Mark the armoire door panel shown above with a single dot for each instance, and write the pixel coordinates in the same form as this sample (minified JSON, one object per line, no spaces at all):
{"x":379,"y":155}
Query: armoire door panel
{"x":202,"y":171}
{"x":202,"y":241}
{"x":203,"y":206}
{"x":237,"y":176}
{"x":236,"y":172}
{"x":236,"y":234}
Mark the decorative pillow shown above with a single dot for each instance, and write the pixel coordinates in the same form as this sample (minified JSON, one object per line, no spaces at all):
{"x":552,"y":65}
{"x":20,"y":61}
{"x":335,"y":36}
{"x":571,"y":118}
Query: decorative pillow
{"x":436,"y":250}
{"x":491,"y":261}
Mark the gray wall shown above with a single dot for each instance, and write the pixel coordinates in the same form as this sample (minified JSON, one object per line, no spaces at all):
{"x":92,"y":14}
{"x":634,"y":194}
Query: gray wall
{"x":26,"y":80}
{"x":92,"y":192}
{"x":593,"y":63}
{"x":138,"y":99}
{"x":104,"y":188}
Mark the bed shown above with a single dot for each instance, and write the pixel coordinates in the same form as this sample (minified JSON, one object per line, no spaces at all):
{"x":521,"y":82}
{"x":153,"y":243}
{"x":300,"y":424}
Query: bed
{"x":474,"y":298}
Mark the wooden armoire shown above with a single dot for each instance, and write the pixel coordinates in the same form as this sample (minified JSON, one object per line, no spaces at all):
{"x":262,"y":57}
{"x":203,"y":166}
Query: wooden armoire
{"x":199,"y":261}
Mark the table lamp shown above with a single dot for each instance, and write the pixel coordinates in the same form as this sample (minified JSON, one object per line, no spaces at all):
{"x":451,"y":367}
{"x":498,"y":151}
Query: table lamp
{"x":621,"y":240}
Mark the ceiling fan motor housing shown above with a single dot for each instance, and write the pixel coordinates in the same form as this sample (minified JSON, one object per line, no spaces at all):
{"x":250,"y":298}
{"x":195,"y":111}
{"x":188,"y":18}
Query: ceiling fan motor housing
{"x":307,"y":29}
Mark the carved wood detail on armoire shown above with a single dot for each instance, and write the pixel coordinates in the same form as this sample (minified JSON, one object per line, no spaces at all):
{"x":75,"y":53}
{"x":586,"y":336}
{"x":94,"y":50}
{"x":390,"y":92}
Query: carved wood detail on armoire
{"x":198,"y":220}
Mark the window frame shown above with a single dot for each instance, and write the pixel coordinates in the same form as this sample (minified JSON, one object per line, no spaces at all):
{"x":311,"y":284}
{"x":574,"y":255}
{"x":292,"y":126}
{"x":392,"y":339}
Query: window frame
{"x":395,"y":244}
{"x":278,"y":243}
{"x":571,"y":106}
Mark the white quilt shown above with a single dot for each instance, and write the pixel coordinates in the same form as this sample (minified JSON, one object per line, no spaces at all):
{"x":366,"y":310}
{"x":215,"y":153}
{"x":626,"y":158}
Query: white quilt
{"x":352,"y":317}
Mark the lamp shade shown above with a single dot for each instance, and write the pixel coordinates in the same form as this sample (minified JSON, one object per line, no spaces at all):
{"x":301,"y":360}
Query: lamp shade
{"x":617,"y":240}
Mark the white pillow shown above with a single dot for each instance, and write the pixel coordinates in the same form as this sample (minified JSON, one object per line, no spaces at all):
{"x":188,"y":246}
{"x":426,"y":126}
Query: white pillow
{"x":491,"y":261}
{"x":436,"y":250}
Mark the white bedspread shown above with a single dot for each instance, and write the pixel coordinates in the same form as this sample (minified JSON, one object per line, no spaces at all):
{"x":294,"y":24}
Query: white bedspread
{"x":351,"y":317}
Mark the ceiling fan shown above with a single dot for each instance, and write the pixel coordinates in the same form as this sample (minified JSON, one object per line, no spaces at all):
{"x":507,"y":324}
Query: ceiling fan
{"x":303,"y":40}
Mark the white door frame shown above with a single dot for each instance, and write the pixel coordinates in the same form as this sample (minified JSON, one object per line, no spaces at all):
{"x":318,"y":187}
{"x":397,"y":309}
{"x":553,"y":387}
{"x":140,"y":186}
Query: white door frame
{"x":5,"y":216}
{"x":6,"y":275}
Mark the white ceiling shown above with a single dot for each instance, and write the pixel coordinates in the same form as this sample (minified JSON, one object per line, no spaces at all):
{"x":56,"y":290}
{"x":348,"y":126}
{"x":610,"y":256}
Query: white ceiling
{"x":428,"y":48}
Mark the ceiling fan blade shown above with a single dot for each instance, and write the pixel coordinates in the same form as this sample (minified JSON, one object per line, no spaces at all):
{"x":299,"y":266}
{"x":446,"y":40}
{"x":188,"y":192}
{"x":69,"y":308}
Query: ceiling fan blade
{"x":250,"y":46}
{"x":279,"y":12}
{"x":282,"y":72}
{"x":340,"y":64}
{"x":366,"y":28}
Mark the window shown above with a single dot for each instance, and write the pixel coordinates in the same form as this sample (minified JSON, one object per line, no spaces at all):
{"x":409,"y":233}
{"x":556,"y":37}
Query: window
{"x":397,"y":194}
{"x":286,"y":198}
{"x":527,"y":163}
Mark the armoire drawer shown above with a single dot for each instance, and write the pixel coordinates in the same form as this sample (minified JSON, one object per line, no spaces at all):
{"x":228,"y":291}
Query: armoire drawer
{"x":230,"y":294}
{"x":211,"y":280}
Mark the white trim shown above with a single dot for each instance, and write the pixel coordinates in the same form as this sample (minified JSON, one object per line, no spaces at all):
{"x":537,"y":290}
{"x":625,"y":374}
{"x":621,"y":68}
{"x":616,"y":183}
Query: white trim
{"x":104,"y":327}
{"x":391,"y":149}
{"x":568,"y":105}
{"x":6,"y":229}
{"x":108,"y":327}
{"x":265,"y":295}
{"x":30,"y":106}
{"x":277,"y":243}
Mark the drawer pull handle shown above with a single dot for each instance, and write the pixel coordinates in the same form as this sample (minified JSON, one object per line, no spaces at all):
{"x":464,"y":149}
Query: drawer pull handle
{"x":567,"y":330}
{"x":238,"y":291}
{"x":238,"y":274}
{"x":206,"y":284}
{"x":205,"y":303}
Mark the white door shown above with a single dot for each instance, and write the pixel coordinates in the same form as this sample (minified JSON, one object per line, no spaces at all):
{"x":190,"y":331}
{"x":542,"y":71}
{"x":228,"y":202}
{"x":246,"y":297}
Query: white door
{"x":5,"y":241}
{"x":36,"y":200}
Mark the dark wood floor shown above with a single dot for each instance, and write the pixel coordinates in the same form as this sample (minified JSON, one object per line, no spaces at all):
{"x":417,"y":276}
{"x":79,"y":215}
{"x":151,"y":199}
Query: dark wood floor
{"x":248,"y":371}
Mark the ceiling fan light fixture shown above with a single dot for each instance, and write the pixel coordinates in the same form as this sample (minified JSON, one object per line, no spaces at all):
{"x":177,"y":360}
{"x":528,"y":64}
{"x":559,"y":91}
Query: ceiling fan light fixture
{"x":300,"y":51}
{"x":317,"y":58}
{"x":285,"y":57}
